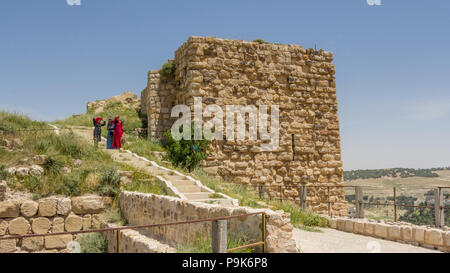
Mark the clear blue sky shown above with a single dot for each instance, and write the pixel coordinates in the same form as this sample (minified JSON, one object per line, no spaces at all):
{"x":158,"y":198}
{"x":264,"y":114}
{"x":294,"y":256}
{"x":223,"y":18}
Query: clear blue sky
{"x":392,"y":61}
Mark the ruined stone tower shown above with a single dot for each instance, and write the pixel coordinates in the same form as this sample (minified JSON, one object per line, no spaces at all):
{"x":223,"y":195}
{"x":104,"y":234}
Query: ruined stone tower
{"x":233,"y":72}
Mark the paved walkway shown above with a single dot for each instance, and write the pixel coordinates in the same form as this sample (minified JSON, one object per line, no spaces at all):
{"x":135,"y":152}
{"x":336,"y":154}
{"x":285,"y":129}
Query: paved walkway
{"x":185,"y":187}
{"x":335,"y":241}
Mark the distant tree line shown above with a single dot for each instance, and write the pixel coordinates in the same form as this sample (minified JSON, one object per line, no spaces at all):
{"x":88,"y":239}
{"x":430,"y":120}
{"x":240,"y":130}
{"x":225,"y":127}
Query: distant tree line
{"x":395,"y":172}
{"x":422,"y":216}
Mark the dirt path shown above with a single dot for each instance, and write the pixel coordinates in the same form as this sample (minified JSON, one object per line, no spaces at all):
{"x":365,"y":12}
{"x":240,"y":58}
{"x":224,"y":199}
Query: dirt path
{"x":335,"y":241}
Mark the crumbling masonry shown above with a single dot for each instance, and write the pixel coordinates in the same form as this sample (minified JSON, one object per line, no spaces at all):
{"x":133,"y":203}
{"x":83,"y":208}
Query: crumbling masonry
{"x":233,"y":72}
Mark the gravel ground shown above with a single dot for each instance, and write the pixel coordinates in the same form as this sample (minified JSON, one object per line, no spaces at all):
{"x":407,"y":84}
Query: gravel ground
{"x":335,"y":241}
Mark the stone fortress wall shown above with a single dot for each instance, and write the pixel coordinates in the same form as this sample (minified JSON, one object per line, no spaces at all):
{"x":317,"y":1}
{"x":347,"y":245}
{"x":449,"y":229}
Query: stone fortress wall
{"x":234,"y":72}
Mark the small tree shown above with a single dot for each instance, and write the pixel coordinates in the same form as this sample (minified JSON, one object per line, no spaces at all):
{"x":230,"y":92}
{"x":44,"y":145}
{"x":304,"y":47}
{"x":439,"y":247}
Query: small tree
{"x":185,"y":153}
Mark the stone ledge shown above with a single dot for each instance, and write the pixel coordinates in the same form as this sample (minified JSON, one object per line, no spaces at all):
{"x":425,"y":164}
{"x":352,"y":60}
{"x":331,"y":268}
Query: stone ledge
{"x":132,"y":241}
{"x":402,"y":232}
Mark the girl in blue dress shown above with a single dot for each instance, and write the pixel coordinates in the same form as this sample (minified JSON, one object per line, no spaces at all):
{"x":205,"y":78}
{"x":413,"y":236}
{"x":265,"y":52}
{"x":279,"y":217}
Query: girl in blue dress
{"x":110,"y":136}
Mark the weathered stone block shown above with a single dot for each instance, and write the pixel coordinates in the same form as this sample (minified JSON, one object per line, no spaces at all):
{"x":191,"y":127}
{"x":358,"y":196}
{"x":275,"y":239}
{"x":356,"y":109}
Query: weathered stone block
{"x":381,"y":230}
{"x":419,"y":234}
{"x":3,"y":227}
{"x":32,"y":243}
{"x":73,"y":223}
{"x":406,"y":232}
{"x":64,"y":206}
{"x":359,"y":227}
{"x":47,"y":207}
{"x":446,"y":236}
{"x":9,"y":209}
{"x":87,"y":222}
{"x":29,"y":208}
{"x":19,"y":226}
{"x":349,"y":225}
{"x":58,"y":225}
{"x":89,"y":204}
{"x":40,"y":225}
{"x":434,"y":237}
{"x":394,"y":233}
{"x":340,"y":224}
{"x":57,"y":241}
{"x":8,"y":246}
{"x":332,"y":222}
{"x":369,"y":228}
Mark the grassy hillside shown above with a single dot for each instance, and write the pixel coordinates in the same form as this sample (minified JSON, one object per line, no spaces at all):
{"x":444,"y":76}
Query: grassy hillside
{"x":70,"y":167}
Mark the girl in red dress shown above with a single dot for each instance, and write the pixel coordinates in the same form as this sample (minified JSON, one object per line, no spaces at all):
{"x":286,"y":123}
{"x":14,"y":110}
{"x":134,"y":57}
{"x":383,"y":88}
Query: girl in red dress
{"x":118,"y":132}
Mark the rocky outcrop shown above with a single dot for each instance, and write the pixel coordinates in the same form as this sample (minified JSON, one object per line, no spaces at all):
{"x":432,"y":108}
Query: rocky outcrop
{"x":127,"y":100}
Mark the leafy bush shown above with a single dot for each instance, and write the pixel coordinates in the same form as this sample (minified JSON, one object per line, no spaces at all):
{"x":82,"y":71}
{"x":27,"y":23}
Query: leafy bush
{"x":93,"y":243}
{"x":114,"y":215}
{"x":301,"y":217}
{"x":260,"y":41}
{"x":109,"y":182}
{"x":71,"y":185}
{"x":34,"y":184}
{"x":53,"y":164}
{"x":3,"y":172}
{"x":185,"y":153}
{"x":168,"y":69}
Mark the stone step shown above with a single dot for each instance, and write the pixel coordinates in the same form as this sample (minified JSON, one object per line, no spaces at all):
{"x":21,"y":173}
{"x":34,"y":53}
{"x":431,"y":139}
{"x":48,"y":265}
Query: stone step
{"x":188,"y":189}
{"x":197,"y":195}
{"x":179,"y":183}
{"x":219,"y":201}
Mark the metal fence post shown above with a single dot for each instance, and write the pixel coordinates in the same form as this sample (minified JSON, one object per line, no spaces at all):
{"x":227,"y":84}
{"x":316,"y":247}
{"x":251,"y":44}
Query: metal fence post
{"x":359,"y":202}
{"x":303,"y":197}
{"x":264,"y":232}
{"x":219,"y":236}
{"x":261,"y":191}
{"x":395,"y":204}
{"x":439,"y":207}
{"x":118,"y":241}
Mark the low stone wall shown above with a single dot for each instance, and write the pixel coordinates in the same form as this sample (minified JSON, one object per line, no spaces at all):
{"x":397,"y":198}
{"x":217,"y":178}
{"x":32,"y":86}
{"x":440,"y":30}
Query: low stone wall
{"x":132,"y":241}
{"x":45,"y":216}
{"x":399,"y":231}
{"x":145,"y":209}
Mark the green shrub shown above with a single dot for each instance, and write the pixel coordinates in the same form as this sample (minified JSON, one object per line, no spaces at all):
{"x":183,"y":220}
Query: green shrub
{"x":3,"y":172}
{"x":53,"y":164}
{"x":299,"y":217}
{"x":185,"y":153}
{"x":114,"y":215}
{"x":71,"y":185}
{"x":34,"y":184}
{"x":260,"y":41}
{"x":93,"y":243}
{"x":109,"y":182}
{"x":168,"y":69}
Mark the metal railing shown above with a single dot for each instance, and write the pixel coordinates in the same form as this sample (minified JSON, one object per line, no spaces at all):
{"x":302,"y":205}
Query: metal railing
{"x":219,"y":236}
{"x":302,"y":192}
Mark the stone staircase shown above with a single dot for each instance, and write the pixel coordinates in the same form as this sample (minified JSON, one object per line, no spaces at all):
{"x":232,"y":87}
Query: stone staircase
{"x":184,"y":186}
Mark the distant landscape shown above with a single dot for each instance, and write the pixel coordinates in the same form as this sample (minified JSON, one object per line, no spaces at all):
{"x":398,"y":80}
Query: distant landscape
{"x":394,"y":172}
{"x":413,"y":187}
